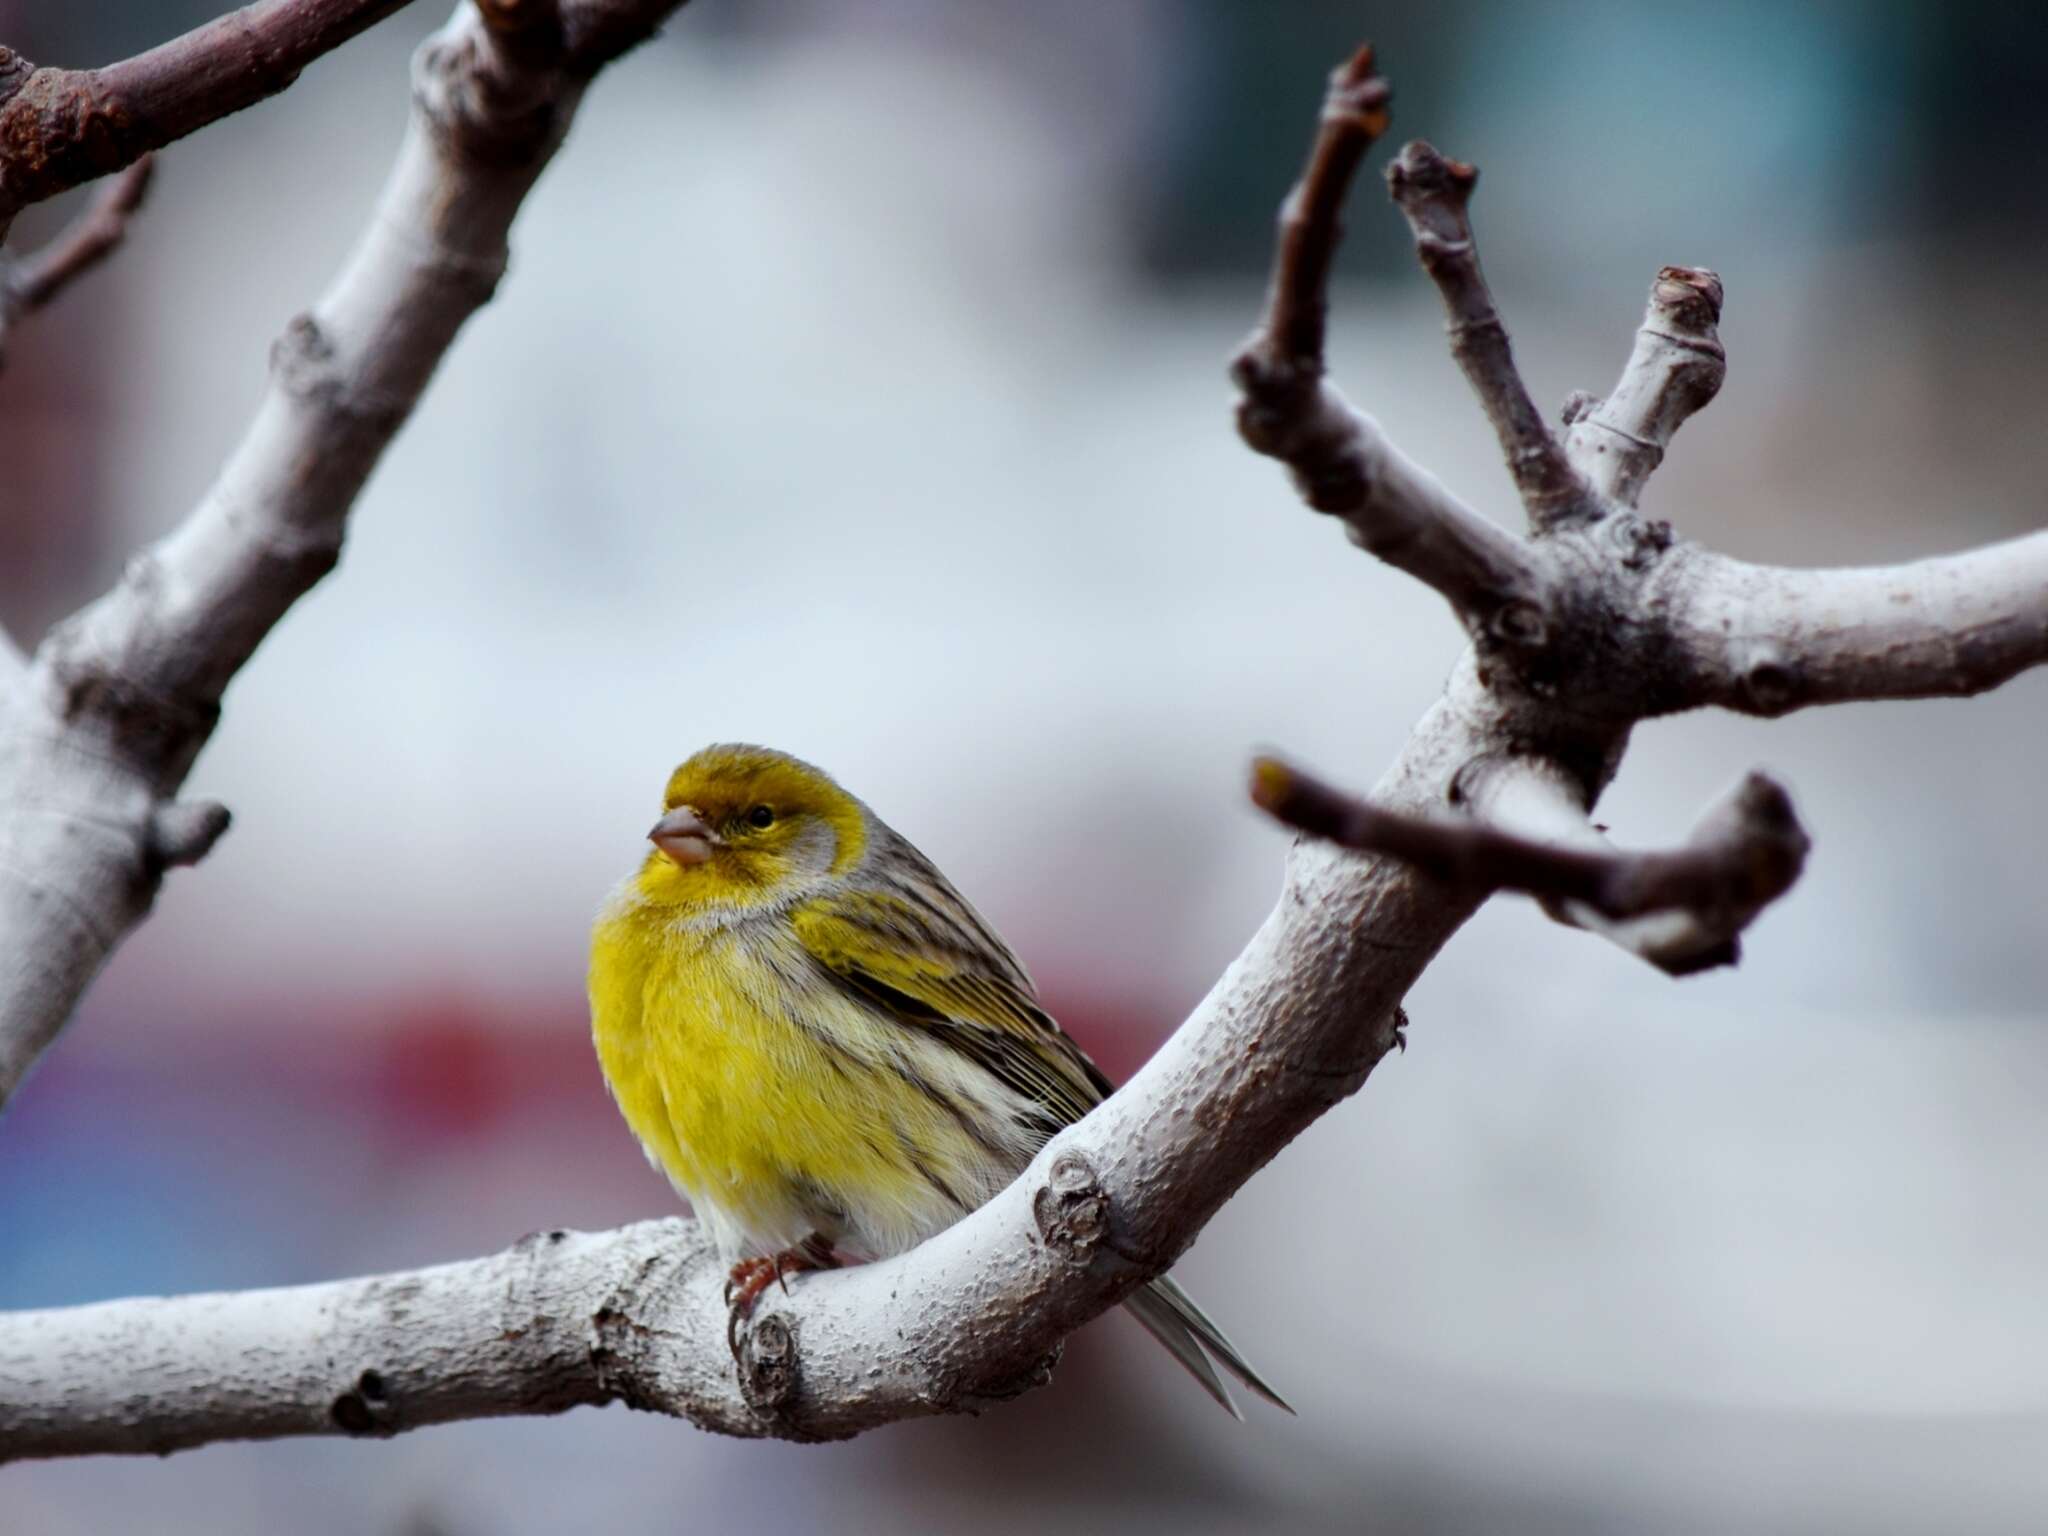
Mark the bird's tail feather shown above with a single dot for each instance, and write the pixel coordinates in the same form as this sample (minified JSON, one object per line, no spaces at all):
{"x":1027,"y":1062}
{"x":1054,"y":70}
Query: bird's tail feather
{"x":1171,"y":1316}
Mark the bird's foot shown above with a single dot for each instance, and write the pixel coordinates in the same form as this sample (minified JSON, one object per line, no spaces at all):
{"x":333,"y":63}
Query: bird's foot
{"x":750,"y":1277}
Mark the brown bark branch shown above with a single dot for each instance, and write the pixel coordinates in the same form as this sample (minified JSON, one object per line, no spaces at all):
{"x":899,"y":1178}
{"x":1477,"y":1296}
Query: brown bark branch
{"x":1432,"y":192}
{"x":1341,"y":462}
{"x":60,"y":128}
{"x":33,"y":281}
{"x":1355,"y":115}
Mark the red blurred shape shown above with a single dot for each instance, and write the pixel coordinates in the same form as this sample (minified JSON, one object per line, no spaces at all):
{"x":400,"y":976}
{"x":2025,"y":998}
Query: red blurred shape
{"x":439,"y":1072}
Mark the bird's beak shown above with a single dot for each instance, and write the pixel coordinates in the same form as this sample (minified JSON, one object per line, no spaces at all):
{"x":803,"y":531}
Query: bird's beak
{"x":683,"y":835}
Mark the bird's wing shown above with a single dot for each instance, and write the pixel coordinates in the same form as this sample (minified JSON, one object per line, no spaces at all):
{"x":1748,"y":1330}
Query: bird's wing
{"x":915,"y":951}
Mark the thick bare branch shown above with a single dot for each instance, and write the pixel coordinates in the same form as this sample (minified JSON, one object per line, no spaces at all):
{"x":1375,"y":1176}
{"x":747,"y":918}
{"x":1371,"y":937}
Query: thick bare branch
{"x":124,"y":694}
{"x":972,"y":1316}
{"x":530,"y":1330}
{"x":1342,"y":463}
{"x":1675,"y":370}
{"x":1767,"y":640}
{"x":1680,"y":908}
{"x":31,"y":282}
{"x":60,"y":128}
{"x":1433,"y":191}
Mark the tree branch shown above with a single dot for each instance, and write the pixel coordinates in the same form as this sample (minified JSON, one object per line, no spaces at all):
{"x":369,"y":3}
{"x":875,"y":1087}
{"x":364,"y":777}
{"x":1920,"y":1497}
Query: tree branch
{"x":1530,"y":832}
{"x":60,"y":128}
{"x":1432,"y":192}
{"x":1342,"y":462}
{"x":1675,"y":370}
{"x":1683,"y":910}
{"x":32,"y":282}
{"x":528,"y":1330}
{"x":968,"y":1318}
{"x":1766,"y":640}
{"x":123,"y":695}
{"x":1522,"y":741}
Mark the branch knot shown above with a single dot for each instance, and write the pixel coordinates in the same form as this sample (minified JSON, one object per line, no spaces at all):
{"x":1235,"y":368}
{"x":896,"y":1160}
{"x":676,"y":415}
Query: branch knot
{"x":1640,"y":539}
{"x":767,"y":1363}
{"x":308,"y":367}
{"x":364,"y":1410}
{"x":57,"y":130}
{"x":493,"y":94}
{"x":1521,"y":625}
{"x":1579,"y":404}
{"x":1071,"y":1209}
{"x":184,"y":831}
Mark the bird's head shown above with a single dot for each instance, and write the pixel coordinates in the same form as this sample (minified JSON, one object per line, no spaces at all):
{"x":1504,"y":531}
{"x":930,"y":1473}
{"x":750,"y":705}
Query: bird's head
{"x":745,"y":827}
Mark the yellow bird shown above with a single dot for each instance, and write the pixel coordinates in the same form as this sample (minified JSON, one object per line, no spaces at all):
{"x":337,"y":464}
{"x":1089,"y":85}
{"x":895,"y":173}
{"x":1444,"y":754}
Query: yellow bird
{"x":822,"y":1045}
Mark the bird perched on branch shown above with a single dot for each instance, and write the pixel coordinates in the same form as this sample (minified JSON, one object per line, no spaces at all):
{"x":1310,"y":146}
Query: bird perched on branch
{"x":823,"y":1045}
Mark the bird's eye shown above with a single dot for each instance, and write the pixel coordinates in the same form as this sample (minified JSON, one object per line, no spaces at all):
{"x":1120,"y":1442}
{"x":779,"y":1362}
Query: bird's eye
{"x":761,"y":816}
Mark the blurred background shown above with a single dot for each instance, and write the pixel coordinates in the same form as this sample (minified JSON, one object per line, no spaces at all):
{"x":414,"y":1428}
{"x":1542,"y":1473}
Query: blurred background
{"x":858,"y":388}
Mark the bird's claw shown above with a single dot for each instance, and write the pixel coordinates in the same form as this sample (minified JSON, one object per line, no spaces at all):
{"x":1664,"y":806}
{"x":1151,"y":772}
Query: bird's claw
{"x":750,"y":1277}
{"x":741,"y":1279}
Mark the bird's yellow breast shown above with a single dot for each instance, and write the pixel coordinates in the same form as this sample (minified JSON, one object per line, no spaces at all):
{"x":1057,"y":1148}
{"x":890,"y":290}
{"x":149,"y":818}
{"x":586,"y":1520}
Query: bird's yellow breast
{"x":772,"y":1105}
